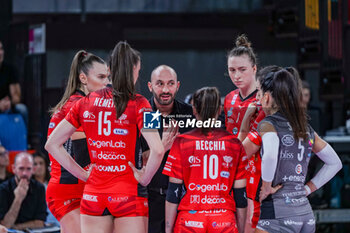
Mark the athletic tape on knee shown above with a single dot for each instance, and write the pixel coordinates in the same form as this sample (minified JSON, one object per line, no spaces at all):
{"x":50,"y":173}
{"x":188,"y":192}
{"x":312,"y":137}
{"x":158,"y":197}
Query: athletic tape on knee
{"x":174,"y":193}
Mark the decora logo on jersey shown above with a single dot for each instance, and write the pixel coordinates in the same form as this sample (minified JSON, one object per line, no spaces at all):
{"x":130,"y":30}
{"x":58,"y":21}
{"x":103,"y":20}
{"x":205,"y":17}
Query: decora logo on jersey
{"x":111,"y":156}
{"x":52,"y":125}
{"x":120,"y":131}
{"x":212,"y":200}
{"x":110,"y":144}
{"x":194,"y":161}
{"x":194,"y":224}
{"x":207,"y":187}
{"x":90,"y":197}
{"x":195,"y":199}
{"x":288,"y":140}
{"x":93,"y":154}
{"x":111,"y":168}
{"x":207,"y":199}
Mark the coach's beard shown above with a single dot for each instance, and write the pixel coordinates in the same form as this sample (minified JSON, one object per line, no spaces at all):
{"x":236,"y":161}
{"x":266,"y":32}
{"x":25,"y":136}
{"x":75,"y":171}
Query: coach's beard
{"x":165,"y":98}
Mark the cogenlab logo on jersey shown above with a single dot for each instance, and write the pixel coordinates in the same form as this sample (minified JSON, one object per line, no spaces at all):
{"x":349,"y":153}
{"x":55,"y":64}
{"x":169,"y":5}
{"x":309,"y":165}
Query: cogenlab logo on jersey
{"x":209,"y":187}
{"x":110,"y":143}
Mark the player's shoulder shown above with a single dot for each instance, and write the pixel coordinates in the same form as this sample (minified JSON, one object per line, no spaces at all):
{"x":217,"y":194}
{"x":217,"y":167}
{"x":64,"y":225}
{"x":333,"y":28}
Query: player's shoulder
{"x":106,"y":92}
{"x":224,"y":135}
{"x":190,"y":135}
{"x":140,"y":98}
{"x":232,"y":97}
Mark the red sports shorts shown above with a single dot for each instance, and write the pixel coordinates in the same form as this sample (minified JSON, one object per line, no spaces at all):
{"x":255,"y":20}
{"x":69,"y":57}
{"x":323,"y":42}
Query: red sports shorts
{"x":118,"y":205}
{"x":63,"y":198}
{"x":211,"y":221}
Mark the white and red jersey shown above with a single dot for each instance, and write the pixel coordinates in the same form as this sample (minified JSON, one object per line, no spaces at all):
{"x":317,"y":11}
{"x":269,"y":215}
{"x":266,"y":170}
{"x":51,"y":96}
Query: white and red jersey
{"x":208,"y":166}
{"x":235,"y":108}
{"x":112,"y":142}
{"x":59,"y":175}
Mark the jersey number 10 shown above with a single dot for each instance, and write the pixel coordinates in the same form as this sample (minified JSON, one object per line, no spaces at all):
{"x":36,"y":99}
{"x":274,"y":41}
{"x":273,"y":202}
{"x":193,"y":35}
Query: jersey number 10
{"x":210,"y":164}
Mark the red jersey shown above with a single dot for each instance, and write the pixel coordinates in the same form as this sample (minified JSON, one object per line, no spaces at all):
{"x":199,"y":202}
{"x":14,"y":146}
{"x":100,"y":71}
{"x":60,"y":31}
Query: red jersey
{"x":59,"y":175}
{"x":208,"y":165}
{"x":235,"y":108}
{"x":112,"y":142}
{"x":254,"y":170}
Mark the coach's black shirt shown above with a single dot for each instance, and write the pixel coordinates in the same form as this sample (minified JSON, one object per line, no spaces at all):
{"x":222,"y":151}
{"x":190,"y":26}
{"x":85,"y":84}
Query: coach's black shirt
{"x":181,"y":112}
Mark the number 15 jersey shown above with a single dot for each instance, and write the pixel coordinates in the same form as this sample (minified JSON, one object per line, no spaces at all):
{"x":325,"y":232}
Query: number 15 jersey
{"x":112,"y":142}
{"x":208,"y":165}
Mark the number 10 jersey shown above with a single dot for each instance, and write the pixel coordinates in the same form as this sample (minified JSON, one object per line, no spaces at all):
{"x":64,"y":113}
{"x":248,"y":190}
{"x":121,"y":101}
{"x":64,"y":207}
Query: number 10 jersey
{"x":208,"y":165}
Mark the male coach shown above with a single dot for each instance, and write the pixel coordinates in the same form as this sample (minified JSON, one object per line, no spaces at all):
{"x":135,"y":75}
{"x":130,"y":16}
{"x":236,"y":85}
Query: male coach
{"x":164,"y":86}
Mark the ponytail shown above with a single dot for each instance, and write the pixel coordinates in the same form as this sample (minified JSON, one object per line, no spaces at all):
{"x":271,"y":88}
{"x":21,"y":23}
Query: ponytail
{"x":123,"y":60}
{"x":206,"y":101}
{"x":243,"y":47}
{"x":82,"y":62}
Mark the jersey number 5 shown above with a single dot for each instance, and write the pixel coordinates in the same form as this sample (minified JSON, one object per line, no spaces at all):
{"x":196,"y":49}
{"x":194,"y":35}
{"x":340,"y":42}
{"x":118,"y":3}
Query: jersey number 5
{"x":302,"y":149}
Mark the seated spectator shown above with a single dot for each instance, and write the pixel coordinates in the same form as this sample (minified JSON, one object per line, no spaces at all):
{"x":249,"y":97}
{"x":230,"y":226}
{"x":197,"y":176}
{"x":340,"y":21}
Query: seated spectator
{"x":41,"y":168}
{"x":42,"y":174}
{"x":22,"y":199}
{"x":4,"y":162}
{"x":10,"y":90}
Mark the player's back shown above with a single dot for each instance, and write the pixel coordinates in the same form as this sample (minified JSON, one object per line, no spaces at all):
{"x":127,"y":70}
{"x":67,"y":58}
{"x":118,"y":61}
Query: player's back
{"x":293,"y":159}
{"x":210,"y":165}
{"x":112,"y":142}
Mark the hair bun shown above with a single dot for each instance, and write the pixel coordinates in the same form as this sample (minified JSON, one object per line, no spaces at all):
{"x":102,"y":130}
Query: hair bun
{"x":242,"y":40}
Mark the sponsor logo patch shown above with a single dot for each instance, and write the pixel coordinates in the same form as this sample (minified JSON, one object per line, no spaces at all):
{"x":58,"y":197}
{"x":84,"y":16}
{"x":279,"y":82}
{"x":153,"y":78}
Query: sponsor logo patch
{"x":120,"y":131}
{"x":288,"y":140}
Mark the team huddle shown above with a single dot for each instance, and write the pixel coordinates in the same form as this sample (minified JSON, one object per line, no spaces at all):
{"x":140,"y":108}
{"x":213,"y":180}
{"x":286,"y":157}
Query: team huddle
{"x":247,"y":177}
